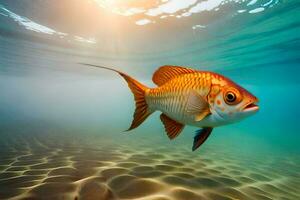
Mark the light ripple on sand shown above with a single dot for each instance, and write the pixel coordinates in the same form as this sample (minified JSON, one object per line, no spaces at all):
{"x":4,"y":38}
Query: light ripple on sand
{"x":35,"y":167}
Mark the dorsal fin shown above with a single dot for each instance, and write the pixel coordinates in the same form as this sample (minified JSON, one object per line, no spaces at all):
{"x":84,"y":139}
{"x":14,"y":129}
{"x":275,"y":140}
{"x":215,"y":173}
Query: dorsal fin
{"x":168,"y":72}
{"x":172,"y":127}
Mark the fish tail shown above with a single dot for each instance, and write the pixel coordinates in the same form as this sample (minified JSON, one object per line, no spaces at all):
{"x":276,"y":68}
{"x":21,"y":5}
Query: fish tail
{"x":141,"y":108}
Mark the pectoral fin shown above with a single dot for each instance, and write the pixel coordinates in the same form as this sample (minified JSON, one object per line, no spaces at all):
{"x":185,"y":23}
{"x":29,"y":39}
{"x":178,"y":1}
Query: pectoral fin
{"x":197,"y":106}
{"x":201,"y":136}
{"x":172,"y":127}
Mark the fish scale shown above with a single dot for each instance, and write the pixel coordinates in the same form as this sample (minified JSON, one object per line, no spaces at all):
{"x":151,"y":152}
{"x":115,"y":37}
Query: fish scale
{"x":172,"y":97}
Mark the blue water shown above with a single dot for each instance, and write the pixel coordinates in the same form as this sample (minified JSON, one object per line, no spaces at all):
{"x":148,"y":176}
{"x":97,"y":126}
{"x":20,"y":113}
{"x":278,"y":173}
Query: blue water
{"x":56,"y":113}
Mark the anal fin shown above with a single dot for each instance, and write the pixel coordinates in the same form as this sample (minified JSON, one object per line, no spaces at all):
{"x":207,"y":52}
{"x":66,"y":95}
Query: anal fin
{"x":172,"y":128}
{"x":201,"y":136}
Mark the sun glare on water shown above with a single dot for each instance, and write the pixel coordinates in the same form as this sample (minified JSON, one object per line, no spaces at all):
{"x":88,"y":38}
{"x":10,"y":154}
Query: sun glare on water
{"x":150,"y":11}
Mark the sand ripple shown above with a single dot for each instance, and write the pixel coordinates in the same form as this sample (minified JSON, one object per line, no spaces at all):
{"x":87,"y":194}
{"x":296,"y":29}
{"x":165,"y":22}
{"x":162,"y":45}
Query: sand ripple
{"x":43,"y":168}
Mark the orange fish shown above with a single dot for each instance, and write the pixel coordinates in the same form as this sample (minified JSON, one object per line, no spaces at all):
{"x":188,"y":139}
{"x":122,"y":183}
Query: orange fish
{"x":190,"y":97}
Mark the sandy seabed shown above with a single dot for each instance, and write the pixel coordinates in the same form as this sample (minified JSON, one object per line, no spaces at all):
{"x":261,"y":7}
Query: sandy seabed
{"x":49,"y":167}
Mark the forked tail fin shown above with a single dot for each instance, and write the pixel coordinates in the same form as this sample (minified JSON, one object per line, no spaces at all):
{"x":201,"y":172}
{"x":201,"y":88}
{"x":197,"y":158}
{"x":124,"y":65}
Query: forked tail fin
{"x":141,"y":108}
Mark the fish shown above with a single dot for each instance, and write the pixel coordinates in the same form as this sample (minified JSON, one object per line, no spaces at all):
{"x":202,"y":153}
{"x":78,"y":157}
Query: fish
{"x":187,"y":96}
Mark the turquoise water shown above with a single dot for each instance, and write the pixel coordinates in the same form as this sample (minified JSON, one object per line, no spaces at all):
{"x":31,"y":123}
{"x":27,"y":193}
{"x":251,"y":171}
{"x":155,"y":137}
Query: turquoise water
{"x":57,"y":115}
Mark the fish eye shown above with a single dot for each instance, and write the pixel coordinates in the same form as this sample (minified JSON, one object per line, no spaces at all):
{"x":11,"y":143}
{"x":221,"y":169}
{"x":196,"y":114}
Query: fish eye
{"x":230,"y":97}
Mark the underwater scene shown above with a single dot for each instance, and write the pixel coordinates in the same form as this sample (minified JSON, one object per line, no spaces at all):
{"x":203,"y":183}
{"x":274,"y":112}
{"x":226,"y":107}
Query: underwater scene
{"x":63,"y":121}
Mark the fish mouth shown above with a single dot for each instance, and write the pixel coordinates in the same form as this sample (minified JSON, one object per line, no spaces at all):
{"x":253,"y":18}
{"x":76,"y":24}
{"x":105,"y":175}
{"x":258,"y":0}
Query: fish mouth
{"x":251,"y":107}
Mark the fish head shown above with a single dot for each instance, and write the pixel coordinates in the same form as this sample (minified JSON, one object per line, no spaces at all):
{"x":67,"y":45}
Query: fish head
{"x":234,"y":103}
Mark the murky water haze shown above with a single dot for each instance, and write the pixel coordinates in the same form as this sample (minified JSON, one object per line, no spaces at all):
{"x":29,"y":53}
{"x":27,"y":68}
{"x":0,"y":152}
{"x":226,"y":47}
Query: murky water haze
{"x":56,"y":114}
